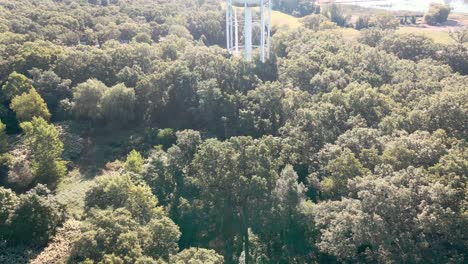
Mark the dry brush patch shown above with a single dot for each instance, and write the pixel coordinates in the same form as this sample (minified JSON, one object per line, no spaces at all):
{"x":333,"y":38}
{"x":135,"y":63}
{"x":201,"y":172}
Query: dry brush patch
{"x":60,"y":247}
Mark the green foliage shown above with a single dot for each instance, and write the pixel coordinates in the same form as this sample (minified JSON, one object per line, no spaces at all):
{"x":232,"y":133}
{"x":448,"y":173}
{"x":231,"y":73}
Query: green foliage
{"x":409,"y":46}
{"x":134,"y":162}
{"x":437,"y":14}
{"x":297,"y":8}
{"x":46,"y":148}
{"x":8,"y":204}
{"x":29,"y":105}
{"x":233,"y":165}
{"x":372,"y":36}
{"x":119,"y":191}
{"x":456,"y":57}
{"x":313,"y":21}
{"x":32,"y":218}
{"x":3,"y":138}
{"x":156,"y":174}
{"x":143,"y":38}
{"x":124,"y":223}
{"x":338,"y":171}
{"x":335,"y":13}
{"x":5,"y":159}
{"x":362,"y":22}
{"x":385,"y":21}
{"x":115,"y":226}
{"x":352,"y":120}
{"x":15,"y":85}
{"x":160,"y":238}
{"x":165,"y":137}
{"x":460,"y":36}
{"x":349,"y":227}
{"x":209,"y":24}
{"x":38,"y":54}
{"x":5,"y":164}
{"x":86,"y":97}
{"x":117,"y":105}
{"x":51,"y":87}
{"x":197,"y":256}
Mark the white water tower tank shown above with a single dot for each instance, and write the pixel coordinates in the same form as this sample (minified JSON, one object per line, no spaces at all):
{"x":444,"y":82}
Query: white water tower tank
{"x":232,"y":26}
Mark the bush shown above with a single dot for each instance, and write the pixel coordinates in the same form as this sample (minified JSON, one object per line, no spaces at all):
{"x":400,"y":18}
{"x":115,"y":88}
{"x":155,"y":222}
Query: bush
{"x":385,"y":21}
{"x":15,"y":85}
{"x":134,"y":162}
{"x":327,"y":25}
{"x":143,"y":38}
{"x":29,"y":105}
{"x":5,"y":161}
{"x":313,"y":21}
{"x":197,"y":255}
{"x":371,"y":37}
{"x":165,"y":137}
{"x":117,"y":105}
{"x":437,"y":14}
{"x":409,"y":46}
{"x":120,"y":191}
{"x":3,"y":138}
{"x":362,"y":22}
{"x":8,"y":203}
{"x":335,"y":14}
{"x":36,"y":217}
{"x":124,"y":222}
{"x":46,"y":148}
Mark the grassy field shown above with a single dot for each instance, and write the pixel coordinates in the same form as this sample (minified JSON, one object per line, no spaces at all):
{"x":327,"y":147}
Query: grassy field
{"x":438,"y":36}
{"x":280,"y":19}
{"x":71,"y":191}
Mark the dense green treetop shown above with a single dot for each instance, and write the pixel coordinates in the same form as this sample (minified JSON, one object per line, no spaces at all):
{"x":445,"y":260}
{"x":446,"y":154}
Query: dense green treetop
{"x":332,"y":151}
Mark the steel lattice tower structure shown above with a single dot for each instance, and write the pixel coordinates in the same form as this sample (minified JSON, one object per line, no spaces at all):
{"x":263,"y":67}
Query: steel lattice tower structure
{"x":232,"y":27}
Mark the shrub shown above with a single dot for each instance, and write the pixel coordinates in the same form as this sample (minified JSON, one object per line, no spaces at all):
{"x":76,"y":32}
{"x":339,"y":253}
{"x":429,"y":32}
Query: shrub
{"x":46,"y":148}
{"x":5,"y":161}
{"x":36,"y":217}
{"x":143,"y":38}
{"x":385,"y":21}
{"x":437,"y":14}
{"x":313,"y":21}
{"x":362,"y":22}
{"x":117,"y":105}
{"x":165,"y":137}
{"x":371,"y":36}
{"x":409,"y":46}
{"x":29,"y":105}
{"x":15,"y":85}
{"x":134,"y":162}
{"x":3,"y":138}
{"x":335,"y":14}
{"x":197,"y":255}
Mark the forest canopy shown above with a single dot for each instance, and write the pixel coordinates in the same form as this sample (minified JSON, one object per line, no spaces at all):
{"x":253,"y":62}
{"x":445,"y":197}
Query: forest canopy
{"x":128,"y":134}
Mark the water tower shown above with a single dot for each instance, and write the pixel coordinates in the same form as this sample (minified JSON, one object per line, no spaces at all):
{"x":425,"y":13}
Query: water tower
{"x":250,"y":19}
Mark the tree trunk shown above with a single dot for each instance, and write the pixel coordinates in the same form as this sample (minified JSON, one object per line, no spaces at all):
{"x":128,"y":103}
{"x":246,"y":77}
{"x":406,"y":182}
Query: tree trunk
{"x":245,"y":228}
{"x":227,"y":233}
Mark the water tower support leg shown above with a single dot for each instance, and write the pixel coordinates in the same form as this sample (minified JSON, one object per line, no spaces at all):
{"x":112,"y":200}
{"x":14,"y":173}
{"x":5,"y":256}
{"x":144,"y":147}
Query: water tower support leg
{"x":269,"y":29}
{"x":228,"y":27}
{"x":248,"y":32}
{"x":236,"y":30}
{"x":262,"y":31}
